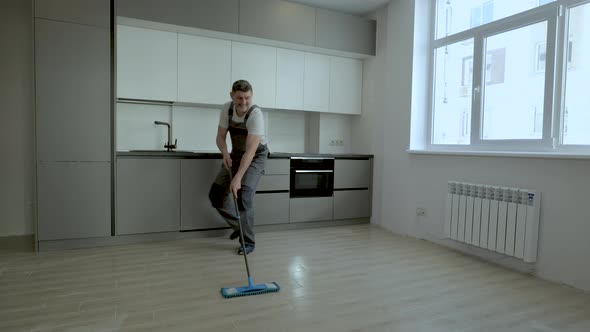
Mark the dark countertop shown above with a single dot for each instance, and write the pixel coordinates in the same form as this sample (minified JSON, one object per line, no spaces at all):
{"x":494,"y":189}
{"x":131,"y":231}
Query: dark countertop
{"x":217,"y":155}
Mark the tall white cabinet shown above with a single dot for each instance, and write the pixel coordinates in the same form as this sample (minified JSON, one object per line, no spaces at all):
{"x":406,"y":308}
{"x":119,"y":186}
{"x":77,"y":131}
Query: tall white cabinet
{"x":146,"y":64}
{"x":316,"y":83}
{"x":290,"y":74}
{"x":346,"y":85}
{"x":204,"y":73}
{"x":257,"y":64}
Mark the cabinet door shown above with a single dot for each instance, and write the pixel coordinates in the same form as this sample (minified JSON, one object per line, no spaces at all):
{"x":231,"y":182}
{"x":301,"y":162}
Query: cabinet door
{"x":148,"y":195}
{"x":146,"y":64}
{"x":352,"y":204}
{"x":346,"y":85}
{"x":290,"y":68}
{"x":271,"y":208}
{"x":203,"y":69}
{"x":74,"y":200}
{"x":196,"y":211}
{"x":73,"y":92}
{"x":316,"y":83}
{"x":310,"y":209}
{"x":277,"y":166}
{"x":352,"y":173}
{"x":90,"y":12}
{"x":258,"y":65}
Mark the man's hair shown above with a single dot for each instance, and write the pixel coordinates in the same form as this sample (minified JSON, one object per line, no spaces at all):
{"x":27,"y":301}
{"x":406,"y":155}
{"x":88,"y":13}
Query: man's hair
{"x":241,"y":85}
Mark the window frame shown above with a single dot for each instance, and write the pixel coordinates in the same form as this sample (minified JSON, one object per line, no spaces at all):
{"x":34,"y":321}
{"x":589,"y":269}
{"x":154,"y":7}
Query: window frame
{"x":556,"y":15}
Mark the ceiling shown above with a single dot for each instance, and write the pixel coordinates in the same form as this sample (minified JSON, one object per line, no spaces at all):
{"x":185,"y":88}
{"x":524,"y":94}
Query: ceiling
{"x":354,"y":7}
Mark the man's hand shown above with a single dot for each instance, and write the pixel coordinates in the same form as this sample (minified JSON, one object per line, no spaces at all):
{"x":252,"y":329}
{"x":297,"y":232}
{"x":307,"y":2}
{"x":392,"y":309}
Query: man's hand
{"x":235,"y":185}
{"x":227,"y":161}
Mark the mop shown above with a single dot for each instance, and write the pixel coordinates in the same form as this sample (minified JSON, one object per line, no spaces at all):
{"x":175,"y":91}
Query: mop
{"x":251,"y":289}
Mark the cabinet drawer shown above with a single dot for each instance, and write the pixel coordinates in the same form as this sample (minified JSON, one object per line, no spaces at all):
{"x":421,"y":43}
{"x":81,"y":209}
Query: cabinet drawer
{"x":310,"y":209}
{"x":277,"y":166}
{"x":352,"y":204}
{"x":271,"y":208}
{"x":273,"y":182}
{"x":352,"y":174}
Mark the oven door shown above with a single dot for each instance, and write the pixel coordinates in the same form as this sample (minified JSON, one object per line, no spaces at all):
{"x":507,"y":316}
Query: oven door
{"x":311,"y":183}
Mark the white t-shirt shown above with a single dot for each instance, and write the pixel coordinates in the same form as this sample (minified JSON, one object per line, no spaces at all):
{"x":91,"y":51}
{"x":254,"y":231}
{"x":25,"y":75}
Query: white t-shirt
{"x":255,"y":124}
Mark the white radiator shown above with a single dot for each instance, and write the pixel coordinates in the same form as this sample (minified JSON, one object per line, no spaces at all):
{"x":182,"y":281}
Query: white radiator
{"x":504,"y":220}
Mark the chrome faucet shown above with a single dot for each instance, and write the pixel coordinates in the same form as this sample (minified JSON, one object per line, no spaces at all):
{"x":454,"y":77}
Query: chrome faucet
{"x":168,"y":145}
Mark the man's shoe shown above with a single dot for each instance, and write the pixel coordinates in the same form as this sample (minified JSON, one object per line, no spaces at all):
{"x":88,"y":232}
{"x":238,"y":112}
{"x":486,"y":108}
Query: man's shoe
{"x":234,"y":235}
{"x":249,"y":249}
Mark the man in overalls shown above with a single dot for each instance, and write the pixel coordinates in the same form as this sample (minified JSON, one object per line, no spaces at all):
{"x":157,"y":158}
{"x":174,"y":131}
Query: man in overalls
{"x":246,"y":161}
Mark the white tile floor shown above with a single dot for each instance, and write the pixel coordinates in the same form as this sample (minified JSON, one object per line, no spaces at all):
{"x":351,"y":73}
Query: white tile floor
{"x":348,"y":278}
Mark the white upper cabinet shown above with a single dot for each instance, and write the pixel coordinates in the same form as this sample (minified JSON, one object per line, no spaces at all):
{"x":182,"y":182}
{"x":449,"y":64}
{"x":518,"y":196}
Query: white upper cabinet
{"x":346,"y":85}
{"x":204,"y":69}
{"x":146,"y":64}
{"x":258,"y":65}
{"x":290,"y":68}
{"x":316,"y":83}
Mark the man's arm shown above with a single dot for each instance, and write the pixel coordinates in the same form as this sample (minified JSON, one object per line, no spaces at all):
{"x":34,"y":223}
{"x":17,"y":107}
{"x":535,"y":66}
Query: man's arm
{"x":222,"y":145}
{"x":252,"y":142}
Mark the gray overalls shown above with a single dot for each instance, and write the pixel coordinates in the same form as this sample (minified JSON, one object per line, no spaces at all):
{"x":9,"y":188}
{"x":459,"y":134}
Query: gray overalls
{"x":220,"y":196}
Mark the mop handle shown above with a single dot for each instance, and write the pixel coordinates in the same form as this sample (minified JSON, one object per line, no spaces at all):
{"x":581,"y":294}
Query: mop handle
{"x":241,"y":231}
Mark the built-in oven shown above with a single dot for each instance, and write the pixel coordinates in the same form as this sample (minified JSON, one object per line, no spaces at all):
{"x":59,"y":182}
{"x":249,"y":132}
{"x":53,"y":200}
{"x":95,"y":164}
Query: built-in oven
{"x":312,"y":177}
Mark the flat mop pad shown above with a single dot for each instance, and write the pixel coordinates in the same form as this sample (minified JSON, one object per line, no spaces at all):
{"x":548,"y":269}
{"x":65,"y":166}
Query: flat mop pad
{"x":250,"y":289}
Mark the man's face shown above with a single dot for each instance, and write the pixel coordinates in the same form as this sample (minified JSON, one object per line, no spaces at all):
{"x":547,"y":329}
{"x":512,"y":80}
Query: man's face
{"x":241,"y":100}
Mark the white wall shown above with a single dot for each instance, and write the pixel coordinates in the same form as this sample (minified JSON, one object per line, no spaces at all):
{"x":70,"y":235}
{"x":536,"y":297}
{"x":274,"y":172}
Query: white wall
{"x":16,"y":123}
{"x":404,"y":182}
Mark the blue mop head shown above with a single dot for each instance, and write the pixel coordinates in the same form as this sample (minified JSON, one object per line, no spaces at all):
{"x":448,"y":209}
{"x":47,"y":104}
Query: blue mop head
{"x":250,"y":290}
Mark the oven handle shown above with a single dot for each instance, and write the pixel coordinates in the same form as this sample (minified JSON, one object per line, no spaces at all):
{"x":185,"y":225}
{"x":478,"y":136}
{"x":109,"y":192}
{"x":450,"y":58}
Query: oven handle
{"x":312,"y":158}
{"x":315,"y":171}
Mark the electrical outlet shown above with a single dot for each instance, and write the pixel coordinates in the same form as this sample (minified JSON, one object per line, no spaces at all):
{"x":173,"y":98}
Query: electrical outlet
{"x":421,"y":212}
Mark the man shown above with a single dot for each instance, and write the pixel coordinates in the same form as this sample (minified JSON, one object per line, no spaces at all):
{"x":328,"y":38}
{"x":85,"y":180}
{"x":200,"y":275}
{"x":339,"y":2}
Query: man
{"x":245,"y":125}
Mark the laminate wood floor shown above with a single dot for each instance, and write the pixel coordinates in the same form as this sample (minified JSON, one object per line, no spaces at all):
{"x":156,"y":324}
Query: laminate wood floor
{"x":349,"y":278}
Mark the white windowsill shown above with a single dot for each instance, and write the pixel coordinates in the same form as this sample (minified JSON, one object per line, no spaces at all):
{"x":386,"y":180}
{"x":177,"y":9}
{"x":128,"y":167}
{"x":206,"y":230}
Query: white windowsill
{"x":515,"y":154}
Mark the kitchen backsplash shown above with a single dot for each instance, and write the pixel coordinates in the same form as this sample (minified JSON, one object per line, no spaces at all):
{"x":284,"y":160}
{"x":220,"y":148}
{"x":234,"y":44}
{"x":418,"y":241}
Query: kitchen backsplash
{"x":195,"y":129}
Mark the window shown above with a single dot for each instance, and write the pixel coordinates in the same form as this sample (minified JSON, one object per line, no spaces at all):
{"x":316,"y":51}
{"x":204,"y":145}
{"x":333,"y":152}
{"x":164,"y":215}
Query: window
{"x":576,"y":118}
{"x":509,"y":75}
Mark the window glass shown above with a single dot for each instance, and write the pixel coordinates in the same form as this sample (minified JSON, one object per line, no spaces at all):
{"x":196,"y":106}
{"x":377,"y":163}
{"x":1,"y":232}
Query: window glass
{"x":453,"y":16}
{"x":576,"y":114}
{"x":514,"y":87}
{"x":452,"y":93}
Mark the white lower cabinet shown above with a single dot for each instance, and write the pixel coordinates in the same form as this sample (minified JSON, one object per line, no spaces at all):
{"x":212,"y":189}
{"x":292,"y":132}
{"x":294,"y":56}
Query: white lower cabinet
{"x":196,"y":177}
{"x":310,"y":209}
{"x":352,"y":204}
{"x":148,"y":195}
{"x":271,"y":208}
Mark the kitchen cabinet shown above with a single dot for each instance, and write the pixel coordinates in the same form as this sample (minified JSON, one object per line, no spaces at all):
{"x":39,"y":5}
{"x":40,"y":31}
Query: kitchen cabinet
{"x":148,"y":195}
{"x":278,"y":20}
{"x":217,"y":15}
{"x":271,"y":208}
{"x":345,"y":32}
{"x":352,"y":204}
{"x":72,"y":91}
{"x":271,"y":201}
{"x":204,"y":74}
{"x":352,"y":193}
{"x":146,"y":64}
{"x":89,"y":12}
{"x":290,"y":69}
{"x":196,"y":177}
{"x":310,"y":209}
{"x":346,"y":85}
{"x":316,"y":83}
{"x":350,"y":173}
{"x":258,"y":65}
{"x":73,"y":200}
